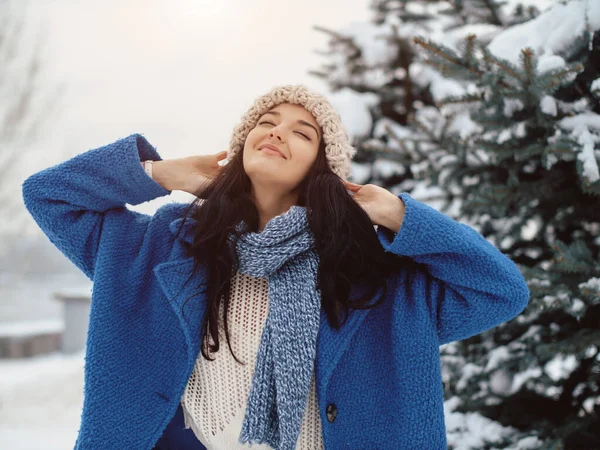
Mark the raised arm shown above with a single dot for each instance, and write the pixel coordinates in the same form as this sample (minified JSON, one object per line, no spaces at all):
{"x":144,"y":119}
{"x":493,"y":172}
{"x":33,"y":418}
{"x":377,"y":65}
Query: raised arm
{"x":80,"y":203}
{"x":473,"y":286}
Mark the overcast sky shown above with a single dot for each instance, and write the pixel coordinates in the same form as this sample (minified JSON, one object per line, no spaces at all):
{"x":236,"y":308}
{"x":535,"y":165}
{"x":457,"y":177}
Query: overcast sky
{"x":182,"y":72}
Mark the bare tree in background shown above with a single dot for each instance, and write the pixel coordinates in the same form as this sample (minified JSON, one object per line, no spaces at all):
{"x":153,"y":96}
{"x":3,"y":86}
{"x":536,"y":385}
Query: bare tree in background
{"x":25,"y":103}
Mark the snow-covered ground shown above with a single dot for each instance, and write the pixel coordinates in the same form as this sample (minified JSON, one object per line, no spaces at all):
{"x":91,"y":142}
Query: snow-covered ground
{"x":40,"y":402}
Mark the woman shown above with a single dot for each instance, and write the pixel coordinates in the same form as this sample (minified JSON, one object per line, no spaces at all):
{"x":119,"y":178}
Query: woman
{"x":333,"y":329}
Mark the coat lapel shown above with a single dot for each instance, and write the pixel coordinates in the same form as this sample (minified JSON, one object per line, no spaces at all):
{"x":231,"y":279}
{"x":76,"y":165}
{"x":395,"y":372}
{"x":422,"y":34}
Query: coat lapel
{"x":172,"y":276}
{"x":332,"y":344}
{"x":174,"y":279}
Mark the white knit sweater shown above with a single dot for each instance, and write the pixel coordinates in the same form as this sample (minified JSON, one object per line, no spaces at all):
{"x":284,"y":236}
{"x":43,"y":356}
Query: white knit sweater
{"x":214,"y":401}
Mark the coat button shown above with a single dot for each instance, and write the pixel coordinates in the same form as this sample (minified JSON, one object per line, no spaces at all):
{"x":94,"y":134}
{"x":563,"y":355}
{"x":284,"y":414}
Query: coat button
{"x":331,"y":412}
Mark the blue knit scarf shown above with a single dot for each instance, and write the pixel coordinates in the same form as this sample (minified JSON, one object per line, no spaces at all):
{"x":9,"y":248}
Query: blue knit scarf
{"x":284,"y":254}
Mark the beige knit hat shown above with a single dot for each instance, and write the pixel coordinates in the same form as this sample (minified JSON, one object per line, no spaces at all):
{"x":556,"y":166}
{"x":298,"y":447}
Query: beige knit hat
{"x":338,"y":150}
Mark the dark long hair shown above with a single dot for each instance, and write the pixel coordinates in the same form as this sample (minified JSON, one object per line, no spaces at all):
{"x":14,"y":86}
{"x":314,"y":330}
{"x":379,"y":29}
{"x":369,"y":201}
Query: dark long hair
{"x":345,"y":240}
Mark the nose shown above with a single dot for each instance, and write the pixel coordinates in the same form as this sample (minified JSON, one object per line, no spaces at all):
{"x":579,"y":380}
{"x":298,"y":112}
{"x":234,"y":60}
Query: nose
{"x":273,"y":134}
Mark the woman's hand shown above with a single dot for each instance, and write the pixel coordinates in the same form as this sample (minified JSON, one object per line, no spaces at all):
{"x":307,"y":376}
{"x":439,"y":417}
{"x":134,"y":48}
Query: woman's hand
{"x":383,"y":207}
{"x":200,"y":170}
{"x":189,"y":174}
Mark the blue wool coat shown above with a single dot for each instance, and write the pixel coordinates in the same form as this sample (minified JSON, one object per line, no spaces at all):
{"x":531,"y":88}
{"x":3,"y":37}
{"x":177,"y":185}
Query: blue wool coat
{"x":378,"y":378}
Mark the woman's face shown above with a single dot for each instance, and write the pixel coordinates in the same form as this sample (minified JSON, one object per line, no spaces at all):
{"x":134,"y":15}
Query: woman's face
{"x":295,"y":133}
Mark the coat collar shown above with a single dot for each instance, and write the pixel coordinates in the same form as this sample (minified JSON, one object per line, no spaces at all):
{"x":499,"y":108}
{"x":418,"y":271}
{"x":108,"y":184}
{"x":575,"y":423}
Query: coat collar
{"x":187,"y":232}
{"x":173,"y":274}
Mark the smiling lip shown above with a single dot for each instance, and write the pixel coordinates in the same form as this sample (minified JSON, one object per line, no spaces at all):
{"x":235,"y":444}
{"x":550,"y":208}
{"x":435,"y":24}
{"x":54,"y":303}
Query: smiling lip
{"x":273,"y":148}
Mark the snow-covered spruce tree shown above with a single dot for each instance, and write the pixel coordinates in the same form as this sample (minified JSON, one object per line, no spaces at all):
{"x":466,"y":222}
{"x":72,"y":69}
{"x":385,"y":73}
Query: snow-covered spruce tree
{"x":527,"y":176}
{"x":377,"y":78}
{"x":499,"y":13}
{"x":510,"y":143}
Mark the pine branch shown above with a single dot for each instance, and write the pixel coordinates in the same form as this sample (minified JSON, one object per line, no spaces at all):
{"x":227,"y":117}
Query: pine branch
{"x":506,"y":66}
{"x":389,"y":130}
{"x":493,"y":8}
{"x":449,"y":55}
{"x":527,"y":57}
{"x":557,"y":77}
{"x":445,"y":53}
{"x":442,"y":68}
{"x":470,"y":46}
{"x":467,"y":98}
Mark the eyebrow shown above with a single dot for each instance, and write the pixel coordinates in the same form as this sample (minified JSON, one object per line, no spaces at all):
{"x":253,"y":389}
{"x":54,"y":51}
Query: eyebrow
{"x":301,"y":122}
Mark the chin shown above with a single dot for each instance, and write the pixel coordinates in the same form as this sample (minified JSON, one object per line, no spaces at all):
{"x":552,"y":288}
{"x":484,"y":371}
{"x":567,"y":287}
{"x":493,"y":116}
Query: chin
{"x":264,"y":175}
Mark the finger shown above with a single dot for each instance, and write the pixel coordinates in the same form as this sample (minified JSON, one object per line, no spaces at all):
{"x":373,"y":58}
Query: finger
{"x":351,"y":183}
{"x":222,"y":155}
{"x":352,"y":186}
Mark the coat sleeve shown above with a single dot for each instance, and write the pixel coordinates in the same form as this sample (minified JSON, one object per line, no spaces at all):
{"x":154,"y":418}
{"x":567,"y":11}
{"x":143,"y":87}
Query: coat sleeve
{"x":471,"y":286}
{"x":80,"y":204}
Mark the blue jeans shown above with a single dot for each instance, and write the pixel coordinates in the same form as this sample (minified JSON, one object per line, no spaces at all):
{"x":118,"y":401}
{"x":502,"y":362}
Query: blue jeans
{"x":177,"y":437}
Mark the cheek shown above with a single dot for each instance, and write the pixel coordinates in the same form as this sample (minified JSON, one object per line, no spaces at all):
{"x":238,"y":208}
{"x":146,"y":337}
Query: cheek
{"x":305,"y":156}
{"x":309,"y":150}
{"x":250,"y":140}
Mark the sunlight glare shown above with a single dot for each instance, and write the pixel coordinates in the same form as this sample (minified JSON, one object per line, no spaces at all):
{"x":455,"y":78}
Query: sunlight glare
{"x":208,"y":7}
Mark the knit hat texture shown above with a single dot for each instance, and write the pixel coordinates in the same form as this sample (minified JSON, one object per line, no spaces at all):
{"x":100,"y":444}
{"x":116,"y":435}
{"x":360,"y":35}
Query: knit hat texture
{"x":338,"y":150}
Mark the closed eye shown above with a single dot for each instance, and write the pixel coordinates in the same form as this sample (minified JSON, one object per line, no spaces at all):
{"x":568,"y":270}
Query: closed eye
{"x":300,"y":133}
